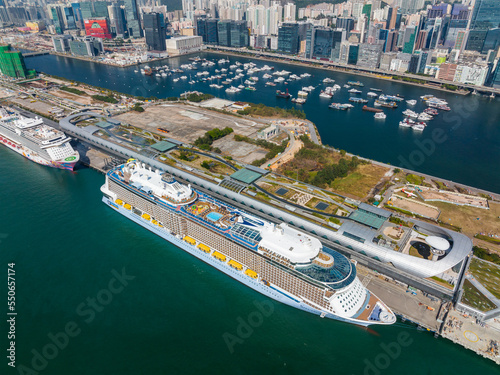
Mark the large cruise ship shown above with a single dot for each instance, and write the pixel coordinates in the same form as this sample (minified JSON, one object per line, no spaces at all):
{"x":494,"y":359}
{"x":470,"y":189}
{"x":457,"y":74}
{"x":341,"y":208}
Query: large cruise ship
{"x":35,"y":140}
{"x":274,"y":259}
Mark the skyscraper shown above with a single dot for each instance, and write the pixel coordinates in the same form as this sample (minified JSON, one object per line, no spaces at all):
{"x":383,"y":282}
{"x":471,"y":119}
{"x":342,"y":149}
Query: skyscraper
{"x":288,"y":38}
{"x":55,"y":12}
{"x":207,"y":29}
{"x":154,"y":29}
{"x":133,"y":20}
{"x":409,"y":39}
{"x":391,"y":18}
{"x":117,"y":20}
{"x":485,"y":16}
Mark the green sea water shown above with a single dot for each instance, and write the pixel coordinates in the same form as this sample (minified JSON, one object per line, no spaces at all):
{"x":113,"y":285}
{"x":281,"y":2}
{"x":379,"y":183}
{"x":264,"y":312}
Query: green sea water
{"x":97,"y":294}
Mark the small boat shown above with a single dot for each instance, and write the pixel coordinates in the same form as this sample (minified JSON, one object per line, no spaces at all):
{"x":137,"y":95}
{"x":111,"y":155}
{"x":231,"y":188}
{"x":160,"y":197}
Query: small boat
{"x":355,"y":83}
{"x":372,"y":94}
{"x":298,"y":100}
{"x":250,"y":88}
{"x":411,"y":102}
{"x":410,"y":113}
{"x":380,"y":115}
{"x":424,"y":117}
{"x":354,"y":91}
{"x":407,"y":123}
{"x":357,"y":100}
{"x":176,"y":80}
{"x":328,"y":80}
{"x":270,"y":84}
{"x":325,"y":95}
{"x":431,"y":111}
{"x":418,"y":126}
{"x":338,"y":106}
{"x":373,"y":89}
{"x":283,"y":94}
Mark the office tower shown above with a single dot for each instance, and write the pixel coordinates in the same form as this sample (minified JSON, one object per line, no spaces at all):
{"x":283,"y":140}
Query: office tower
{"x":233,"y":33}
{"x":56,"y":16}
{"x":154,"y":30}
{"x":239,"y":34}
{"x":288,"y":38}
{"x":61,"y":43}
{"x":485,"y":16}
{"x":86,"y":10}
{"x":409,"y":39}
{"x":101,"y":9}
{"x":421,"y":40}
{"x":68,"y":18}
{"x":319,"y":43}
{"x":492,"y":40}
{"x":345,"y":23}
{"x":207,"y":29}
{"x":77,"y":12}
{"x":224,"y":33}
{"x":339,"y":36}
{"x":133,"y":21}
{"x":369,"y":55}
{"x":117,"y":20}
{"x":391,"y":18}
{"x":12,"y":63}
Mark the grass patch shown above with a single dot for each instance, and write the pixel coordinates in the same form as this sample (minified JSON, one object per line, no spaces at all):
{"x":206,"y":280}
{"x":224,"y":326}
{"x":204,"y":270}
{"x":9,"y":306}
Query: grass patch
{"x":414,"y":179}
{"x":108,"y":99}
{"x":488,"y":274}
{"x":474,"y":298}
{"x":442,"y":282}
{"x":196,"y":98}
{"x":265,"y":111}
{"x":486,"y":255}
{"x":72,"y":90}
{"x":492,"y":240}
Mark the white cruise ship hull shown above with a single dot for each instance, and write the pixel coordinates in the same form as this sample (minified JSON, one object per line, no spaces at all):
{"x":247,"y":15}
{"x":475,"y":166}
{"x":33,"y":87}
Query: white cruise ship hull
{"x":22,"y":149}
{"x":270,"y":290}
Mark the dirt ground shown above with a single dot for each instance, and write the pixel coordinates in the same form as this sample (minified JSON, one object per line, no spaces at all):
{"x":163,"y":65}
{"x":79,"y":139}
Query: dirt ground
{"x":429,"y":194}
{"x":37,"y":106}
{"x":187,"y":123}
{"x":414,"y":206}
{"x":85,"y":100}
{"x":241,"y":151}
{"x":467,"y":218}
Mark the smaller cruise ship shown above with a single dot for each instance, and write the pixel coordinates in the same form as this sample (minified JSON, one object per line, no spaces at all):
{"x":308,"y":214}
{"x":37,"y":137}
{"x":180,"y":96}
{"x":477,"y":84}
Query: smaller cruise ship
{"x":36,"y":141}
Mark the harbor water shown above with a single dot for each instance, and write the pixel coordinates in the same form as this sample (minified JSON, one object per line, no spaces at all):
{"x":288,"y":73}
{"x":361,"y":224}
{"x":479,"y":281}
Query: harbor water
{"x":97,"y":294}
{"x":462,"y":145}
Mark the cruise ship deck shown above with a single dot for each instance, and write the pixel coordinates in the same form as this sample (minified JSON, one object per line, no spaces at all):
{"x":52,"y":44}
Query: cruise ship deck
{"x":280,"y":257}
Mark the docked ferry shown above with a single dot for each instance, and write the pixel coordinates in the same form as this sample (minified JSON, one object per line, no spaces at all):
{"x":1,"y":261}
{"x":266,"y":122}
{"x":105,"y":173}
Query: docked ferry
{"x":276,"y":260}
{"x":36,"y":141}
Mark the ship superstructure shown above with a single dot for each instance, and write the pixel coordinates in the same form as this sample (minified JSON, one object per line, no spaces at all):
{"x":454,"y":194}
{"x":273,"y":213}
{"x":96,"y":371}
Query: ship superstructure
{"x":36,"y":141}
{"x":275,"y":259}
